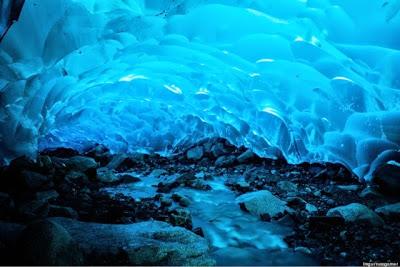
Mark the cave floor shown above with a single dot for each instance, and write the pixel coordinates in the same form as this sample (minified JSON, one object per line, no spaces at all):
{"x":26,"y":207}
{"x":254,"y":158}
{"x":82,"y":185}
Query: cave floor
{"x":249,"y":210}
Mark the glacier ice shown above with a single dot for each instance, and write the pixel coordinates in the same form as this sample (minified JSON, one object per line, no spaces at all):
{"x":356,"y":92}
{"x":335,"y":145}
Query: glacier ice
{"x":318,"y":79}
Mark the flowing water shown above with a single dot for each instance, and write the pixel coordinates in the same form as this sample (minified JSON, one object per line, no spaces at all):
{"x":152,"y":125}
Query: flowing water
{"x":236,"y":237}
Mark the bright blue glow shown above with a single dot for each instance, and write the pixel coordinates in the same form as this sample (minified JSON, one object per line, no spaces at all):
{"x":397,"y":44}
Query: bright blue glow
{"x":319,"y":79}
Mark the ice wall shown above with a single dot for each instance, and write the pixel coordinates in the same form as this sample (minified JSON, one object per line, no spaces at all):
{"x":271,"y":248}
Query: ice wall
{"x":318,"y":79}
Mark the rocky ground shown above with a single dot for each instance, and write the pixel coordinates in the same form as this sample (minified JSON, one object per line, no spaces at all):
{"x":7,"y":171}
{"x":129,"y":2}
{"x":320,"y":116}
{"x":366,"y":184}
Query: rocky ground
{"x":59,"y":209}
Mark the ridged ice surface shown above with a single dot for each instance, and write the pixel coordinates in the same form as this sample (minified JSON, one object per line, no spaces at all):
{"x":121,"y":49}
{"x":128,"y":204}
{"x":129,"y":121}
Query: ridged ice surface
{"x":318,"y":79}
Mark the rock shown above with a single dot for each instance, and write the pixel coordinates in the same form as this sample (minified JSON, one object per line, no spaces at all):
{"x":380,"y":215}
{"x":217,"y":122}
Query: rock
{"x":6,"y":205}
{"x":356,"y":212}
{"x":47,"y":243}
{"x":165,"y":201}
{"x":45,"y":163}
{"x":10,"y":232}
{"x":61,"y":211}
{"x":225,"y":161}
{"x":181,"y":217}
{"x":33,"y":209}
{"x":303,"y":250}
{"x":76,"y":177}
{"x":200,"y":175}
{"x":124,"y":162}
{"x":82,"y":164}
{"x":145,"y":243}
{"x":101,"y":154}
{"x":287,"y":186}
{"x":370,"y":192}
{"x":47,"y":195}
{"x":352,"y":187}
{"x":296,"y":202}
{"x":387,"y":178}
{"x":186,"y":179}
{"x":311,"y":208}
{"x":318,"y":223}
{"x":219,"y":149}
{"x":158,"y":172}
{"x":184,"y":201}
{"x":106,"y":176}
{"x":22,"y":163}
{"x":246,"y":156}
{"x":287,"y":220}
{"x":392,"y":210}
{"x":262,"y":202}
{"x":195,"y":153}
{"x":127,"y":179}
{"x":33,"y":180}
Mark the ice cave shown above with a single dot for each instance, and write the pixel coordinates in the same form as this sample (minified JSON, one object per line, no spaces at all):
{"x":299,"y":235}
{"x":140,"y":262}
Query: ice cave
{"x":252,"y":116}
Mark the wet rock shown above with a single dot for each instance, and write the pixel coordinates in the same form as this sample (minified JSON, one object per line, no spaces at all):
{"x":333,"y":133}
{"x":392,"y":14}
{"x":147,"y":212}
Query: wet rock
{"x":303,"y":250}
{"x":195,"y":153}
{"x":101,"y":154}
{"x":33,"y":180}
{"x":10,"y":232}
{"x":184,"y":201}
{"x":181,"y":217}
{"x":6,"y":205}
{"x":198,"y":231}
{"x":225,"y":161}
{"x":158,"y":172}
{"x":127,"y":179}
{"x":356,"y":212}
{"x":287,"y":220}
{"x":47,"y":195}
{"x":82,"y":164}
{"x":33,"y":209}
{"x":186,"y":179}
{"x":370,"y":192}
{"x":296,"y":202}
{"x":262,"y":202}
{"x":76,"y":177}
{"x":219,"y":149}
{"x":353,"y":187}
{"x":61,"y":211}
{"x":47,"y":243}
{"x":165,"y":201}
{"x":392,"y":210}
{"x":287,"y":186}
{"x":146,"y":243}
{"x":318,"y":223}
{"x":124,"y":162}
{"x":45,"y":163}
{"x":247,"y":156}
{"x":387,"y":178}
{"x":311,"y":208}
{"x":104,"y":175}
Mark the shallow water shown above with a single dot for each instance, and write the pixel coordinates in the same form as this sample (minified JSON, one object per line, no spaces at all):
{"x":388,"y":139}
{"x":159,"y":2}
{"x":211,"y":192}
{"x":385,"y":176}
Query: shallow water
{"x":236,"y":237}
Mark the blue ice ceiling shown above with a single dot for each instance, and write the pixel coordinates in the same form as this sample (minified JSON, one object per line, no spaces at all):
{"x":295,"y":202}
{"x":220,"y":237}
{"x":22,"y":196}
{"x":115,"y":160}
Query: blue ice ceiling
{"x":316,"y":79}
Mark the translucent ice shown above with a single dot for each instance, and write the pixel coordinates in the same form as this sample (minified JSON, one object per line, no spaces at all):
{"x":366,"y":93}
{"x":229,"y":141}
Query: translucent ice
{"x":317,"y":79}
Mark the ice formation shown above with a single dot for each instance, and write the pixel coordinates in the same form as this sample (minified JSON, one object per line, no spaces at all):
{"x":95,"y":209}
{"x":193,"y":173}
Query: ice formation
{"x":318,"y":79}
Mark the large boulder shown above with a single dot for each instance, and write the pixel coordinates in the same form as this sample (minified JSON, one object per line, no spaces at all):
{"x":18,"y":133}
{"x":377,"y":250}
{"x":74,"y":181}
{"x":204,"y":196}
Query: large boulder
{"x":247,"y":156}
{"x":392,"y":210}
{"x":33,"y":180}
{"x":82,"y":164}
{"x":387,"y":178}
{"x":261,"y":203}
{"x":47,"y":243}
{"x":356,"y":212}
{"x":145,"y":243}
{"x":195,"y":153}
